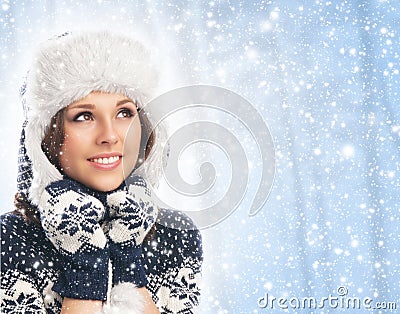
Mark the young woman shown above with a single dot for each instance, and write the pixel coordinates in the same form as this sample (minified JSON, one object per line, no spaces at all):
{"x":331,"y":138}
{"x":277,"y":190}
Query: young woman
{"x":85,"y":236}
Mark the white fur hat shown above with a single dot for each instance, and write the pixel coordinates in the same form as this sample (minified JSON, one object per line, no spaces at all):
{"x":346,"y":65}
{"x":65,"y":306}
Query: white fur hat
{"x":67,"y":69}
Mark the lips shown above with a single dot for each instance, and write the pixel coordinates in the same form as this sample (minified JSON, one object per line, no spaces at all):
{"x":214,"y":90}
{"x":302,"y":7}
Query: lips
{"x":107,"y":161}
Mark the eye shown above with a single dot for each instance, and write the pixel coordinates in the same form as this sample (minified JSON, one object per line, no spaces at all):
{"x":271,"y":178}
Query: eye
{"x":83,"y":116}
{"x":125,"y":113}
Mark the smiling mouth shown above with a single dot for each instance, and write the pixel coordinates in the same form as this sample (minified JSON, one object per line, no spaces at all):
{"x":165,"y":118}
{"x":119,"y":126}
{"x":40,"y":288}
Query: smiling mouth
{"x":105,"y":160}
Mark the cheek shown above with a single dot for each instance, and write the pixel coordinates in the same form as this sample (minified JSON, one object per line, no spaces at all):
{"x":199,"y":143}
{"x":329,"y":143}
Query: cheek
{"x":66,"y":155}
{"x":70,"y":149}
{"x":132,"y":146}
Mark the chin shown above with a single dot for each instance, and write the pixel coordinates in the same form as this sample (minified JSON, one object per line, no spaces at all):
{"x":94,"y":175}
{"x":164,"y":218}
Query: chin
{"x":105,"y":186}
{"x":108,"y":188}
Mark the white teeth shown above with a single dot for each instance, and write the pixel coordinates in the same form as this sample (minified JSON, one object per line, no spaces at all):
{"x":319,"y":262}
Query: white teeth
{"x":106,"y":161}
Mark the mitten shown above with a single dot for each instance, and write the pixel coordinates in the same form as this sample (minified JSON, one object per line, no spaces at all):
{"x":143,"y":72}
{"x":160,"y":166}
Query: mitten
{"x":132,"y":215}
{"x":70,"y":217}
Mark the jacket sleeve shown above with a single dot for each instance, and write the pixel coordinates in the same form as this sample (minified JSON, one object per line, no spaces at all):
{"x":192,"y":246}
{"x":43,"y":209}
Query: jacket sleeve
{"x":180,"y":292}
{"x":19,"y":294}
{"x":176,"y":283}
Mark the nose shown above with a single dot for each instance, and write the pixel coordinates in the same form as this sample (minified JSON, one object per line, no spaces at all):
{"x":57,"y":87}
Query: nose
{"x":107,"y":134}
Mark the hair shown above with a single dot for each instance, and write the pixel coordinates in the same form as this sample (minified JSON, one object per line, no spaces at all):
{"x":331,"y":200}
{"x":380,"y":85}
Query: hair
{"x":51,"y":146}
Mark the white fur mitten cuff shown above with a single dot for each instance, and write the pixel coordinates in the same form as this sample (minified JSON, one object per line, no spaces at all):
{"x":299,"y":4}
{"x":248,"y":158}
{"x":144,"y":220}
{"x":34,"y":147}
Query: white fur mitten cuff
{"x":125,"y":299}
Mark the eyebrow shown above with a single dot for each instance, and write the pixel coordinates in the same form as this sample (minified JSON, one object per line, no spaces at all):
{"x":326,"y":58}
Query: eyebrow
{"x":92,"y":106}
{"x":124,"y":101}
{"x":81,"y":106}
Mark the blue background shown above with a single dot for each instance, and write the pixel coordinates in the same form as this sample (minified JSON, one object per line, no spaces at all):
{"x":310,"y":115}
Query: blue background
{"x":325,"y":77}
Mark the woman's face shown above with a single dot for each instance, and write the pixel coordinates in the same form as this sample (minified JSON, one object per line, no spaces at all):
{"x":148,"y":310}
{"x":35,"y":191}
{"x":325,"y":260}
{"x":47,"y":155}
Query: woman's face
{"x":96,"y":129}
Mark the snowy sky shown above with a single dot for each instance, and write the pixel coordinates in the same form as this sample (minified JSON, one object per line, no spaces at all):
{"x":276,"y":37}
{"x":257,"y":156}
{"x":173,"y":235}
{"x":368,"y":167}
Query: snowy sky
{"x":324,"y":77}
